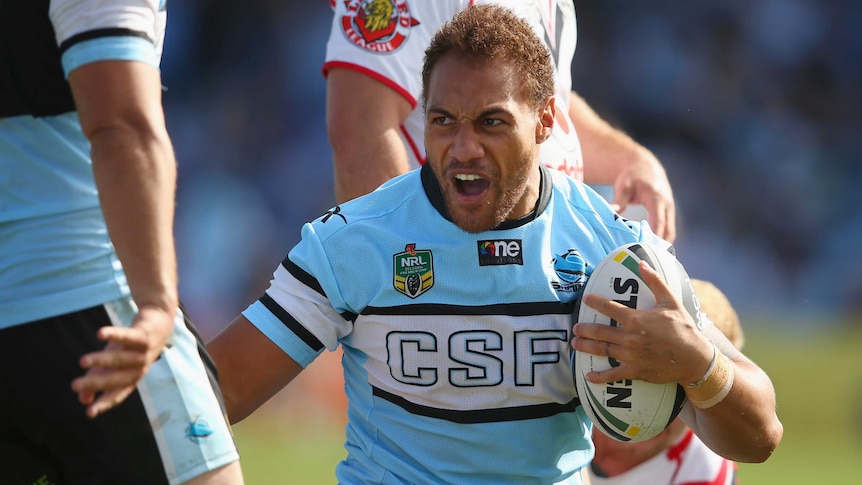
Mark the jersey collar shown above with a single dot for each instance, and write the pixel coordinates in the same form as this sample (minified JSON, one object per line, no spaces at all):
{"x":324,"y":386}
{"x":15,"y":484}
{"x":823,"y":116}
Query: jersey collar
{"x":435,"y":196}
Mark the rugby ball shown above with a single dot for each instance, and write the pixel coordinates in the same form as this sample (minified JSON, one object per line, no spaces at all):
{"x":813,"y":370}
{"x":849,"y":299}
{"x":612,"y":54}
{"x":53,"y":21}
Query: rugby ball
{"x":630,"y":410}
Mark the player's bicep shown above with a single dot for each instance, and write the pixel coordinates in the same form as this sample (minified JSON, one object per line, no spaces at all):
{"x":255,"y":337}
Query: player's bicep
{"x":251,"y":367}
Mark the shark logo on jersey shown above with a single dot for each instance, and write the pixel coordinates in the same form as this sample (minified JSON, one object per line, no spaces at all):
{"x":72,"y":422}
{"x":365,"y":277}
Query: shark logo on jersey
{"x":377,"y":25}
{"x":413,"y":271}
{"x":571,"y":269}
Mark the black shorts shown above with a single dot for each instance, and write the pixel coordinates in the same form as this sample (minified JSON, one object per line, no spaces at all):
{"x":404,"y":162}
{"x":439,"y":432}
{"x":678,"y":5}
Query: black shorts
{"x":158,"y":435}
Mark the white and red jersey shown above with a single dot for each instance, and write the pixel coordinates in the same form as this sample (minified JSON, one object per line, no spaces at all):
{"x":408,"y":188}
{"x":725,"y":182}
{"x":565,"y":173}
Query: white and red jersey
{"x":386,"y":39}
{"x":688,"y":462}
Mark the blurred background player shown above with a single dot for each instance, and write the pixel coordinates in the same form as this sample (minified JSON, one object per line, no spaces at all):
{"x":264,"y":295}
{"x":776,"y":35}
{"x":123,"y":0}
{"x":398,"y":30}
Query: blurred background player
{"x":88,"y":279}
{"x":373,"y":70}
{"x":676,"y":456}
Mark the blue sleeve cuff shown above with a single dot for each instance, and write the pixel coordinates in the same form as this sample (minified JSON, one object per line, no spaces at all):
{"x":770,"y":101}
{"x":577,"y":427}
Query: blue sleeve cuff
{"x":287,"y":341}
{"x":119,"y":48}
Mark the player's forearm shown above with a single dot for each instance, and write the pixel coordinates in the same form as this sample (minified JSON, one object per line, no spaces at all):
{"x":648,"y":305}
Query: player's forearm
{"x":251,"y":367}
{"x":120,"y":107}
{"x":743,"y":426}
{"x":363,"y":123}
{"x":607,"y":151}
{"x":363,"y":164}
{"x":135,"y":173}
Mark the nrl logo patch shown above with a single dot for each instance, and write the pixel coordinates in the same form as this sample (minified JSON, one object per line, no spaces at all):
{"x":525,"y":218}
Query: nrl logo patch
{"x":414,"y":271}
{"x":377,"y":25}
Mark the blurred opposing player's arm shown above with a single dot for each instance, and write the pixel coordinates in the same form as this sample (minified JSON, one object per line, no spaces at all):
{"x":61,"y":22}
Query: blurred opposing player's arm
{"x":363,"y":120}
{"x":120,"y":107}
{"x":612,"y":158}
{"x":251,"y":368}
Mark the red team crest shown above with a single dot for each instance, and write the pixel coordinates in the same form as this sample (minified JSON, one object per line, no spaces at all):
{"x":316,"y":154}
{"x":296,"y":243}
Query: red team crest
{"x":377,"y":25}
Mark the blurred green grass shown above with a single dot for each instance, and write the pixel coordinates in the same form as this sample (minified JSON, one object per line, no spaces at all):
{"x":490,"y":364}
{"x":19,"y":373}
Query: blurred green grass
{"x":289,"y":450}
{"x":817,"y":374}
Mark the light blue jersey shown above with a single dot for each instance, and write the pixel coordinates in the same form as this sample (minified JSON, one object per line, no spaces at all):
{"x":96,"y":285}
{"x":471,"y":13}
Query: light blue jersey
{"x":456,"y":345}
{"x":56,"y":254}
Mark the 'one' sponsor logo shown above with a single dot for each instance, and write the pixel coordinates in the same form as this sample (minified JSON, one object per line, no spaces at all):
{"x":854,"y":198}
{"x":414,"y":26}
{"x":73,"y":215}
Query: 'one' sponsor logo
{"x":500,"y":252}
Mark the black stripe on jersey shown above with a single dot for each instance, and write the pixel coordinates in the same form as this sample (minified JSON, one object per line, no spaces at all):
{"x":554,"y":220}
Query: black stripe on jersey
{"x":509,"y":309}
{"x":291,"y":323}
{"x":303,"y":276}
{"x":310,"y":281}
{"x":99,"y":33}
{"x":497,"y":415}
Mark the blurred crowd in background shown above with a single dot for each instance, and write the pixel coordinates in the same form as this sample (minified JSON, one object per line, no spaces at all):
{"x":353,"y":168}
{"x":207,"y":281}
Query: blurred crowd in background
{"x":752,"y":105}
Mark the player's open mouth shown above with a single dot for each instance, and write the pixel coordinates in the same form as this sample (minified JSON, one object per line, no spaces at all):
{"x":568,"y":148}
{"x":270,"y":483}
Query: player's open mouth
{"x":470,"y":184}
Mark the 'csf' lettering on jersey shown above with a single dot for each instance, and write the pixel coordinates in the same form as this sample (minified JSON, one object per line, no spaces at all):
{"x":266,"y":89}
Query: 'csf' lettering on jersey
{"x":473,"y":358}
{"x":433,"y":340}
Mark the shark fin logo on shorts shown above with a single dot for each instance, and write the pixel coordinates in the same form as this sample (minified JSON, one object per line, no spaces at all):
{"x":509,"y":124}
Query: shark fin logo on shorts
{"x":413,"y":271}
{"x":377,"y":25}
{"x":198,"y":430}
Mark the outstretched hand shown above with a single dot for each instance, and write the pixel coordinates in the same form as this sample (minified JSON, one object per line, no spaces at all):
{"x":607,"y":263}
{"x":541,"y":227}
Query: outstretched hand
{"x":113,"y":373}
{"x":647,"y":184}
{"x":659,"y":345}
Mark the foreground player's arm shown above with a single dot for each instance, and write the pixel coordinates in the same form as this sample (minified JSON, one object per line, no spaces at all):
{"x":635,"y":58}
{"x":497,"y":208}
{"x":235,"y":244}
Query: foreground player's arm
{"x":120,"y":109}
{"x":744,"y":425}
{"x":664,"y":345}
{"x":612,"y":158}
{"x":363,"y":120}
{"x":251,"y":367}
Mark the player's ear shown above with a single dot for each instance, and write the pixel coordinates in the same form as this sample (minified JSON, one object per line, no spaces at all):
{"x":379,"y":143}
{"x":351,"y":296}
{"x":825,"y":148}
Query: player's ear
{"x":546,"y":120}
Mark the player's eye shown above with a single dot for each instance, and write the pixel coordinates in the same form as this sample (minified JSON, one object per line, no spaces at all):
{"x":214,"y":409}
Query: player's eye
{"x":492,"y":121}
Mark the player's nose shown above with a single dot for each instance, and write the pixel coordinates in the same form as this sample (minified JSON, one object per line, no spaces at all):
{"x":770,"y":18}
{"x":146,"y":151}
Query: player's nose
{"x":466,"y":144}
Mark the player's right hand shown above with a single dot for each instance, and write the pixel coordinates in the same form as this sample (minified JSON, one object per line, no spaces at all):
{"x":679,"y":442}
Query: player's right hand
{"x":113,"y":373}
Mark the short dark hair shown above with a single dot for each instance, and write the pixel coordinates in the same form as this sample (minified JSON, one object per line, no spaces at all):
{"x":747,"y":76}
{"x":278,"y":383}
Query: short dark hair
{"x":494,"y":33}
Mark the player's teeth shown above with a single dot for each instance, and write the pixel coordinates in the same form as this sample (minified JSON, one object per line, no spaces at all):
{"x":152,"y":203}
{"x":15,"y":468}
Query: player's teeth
{"x":467,"y":176}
